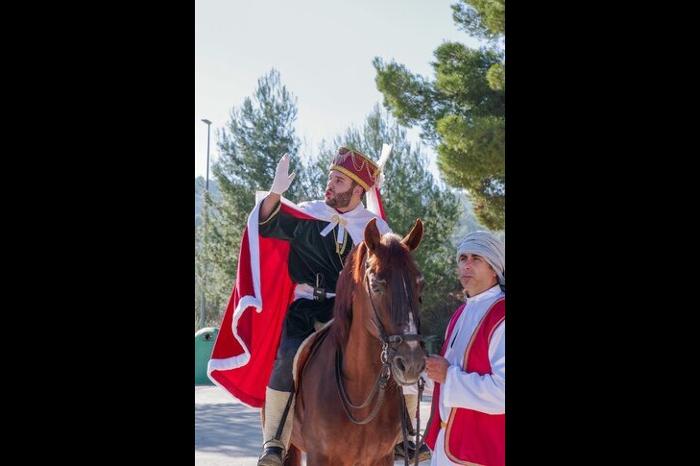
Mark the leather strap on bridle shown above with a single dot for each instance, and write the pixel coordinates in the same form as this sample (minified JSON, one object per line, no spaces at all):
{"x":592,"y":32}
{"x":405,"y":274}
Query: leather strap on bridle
{"x":379,"y":388}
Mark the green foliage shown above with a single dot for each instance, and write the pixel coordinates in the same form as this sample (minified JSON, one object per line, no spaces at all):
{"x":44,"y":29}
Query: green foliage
{"x":485,"y":19}
{"x":462,"y":110}
{"x":258,"y":133}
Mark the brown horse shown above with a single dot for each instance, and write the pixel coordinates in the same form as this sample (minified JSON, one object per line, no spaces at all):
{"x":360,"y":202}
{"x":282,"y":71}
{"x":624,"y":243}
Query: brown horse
{"x":348,"y":408}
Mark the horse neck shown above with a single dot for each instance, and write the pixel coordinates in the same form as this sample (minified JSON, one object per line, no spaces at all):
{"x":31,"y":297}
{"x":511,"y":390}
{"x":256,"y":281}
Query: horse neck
{"x":361,"y":355}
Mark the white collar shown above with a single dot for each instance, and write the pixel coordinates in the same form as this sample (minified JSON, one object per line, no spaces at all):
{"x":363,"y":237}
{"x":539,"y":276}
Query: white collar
{"x":354,"y":220}
{"x":490,"y":293}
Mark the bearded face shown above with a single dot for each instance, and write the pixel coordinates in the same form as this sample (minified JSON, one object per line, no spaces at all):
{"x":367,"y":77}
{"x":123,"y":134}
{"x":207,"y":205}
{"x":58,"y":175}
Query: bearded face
{"x":338,"y":190}
{"x":341,"y":200}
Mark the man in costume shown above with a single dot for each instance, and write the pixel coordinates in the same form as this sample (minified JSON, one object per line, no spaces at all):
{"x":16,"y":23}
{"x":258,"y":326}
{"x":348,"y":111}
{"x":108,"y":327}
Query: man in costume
{"x":467,"y":423}
{"x":291,"y":257}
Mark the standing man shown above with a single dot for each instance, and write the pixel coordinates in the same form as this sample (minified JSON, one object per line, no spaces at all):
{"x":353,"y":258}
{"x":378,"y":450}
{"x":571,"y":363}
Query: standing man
{"x":467,"y":424}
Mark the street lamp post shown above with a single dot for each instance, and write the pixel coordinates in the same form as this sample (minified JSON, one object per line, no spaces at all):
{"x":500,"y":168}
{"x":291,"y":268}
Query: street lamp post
{"x":202,"y":313}
{"x":208,"y":134}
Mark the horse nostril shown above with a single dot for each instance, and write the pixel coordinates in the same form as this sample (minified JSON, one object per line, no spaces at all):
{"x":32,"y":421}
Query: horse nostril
{"x":398,"y":360}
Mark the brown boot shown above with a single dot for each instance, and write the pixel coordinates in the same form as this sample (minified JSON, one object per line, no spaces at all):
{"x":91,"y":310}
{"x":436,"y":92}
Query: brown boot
{"x":423,"y":452}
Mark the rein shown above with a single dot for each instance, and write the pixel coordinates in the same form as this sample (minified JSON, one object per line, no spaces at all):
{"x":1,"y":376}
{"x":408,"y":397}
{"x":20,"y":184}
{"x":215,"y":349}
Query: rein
{"x":389,"y":344}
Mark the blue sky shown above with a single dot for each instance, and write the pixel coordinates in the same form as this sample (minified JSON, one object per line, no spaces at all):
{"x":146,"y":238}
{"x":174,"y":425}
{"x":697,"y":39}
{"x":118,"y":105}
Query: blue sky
{"x":323,"y":50}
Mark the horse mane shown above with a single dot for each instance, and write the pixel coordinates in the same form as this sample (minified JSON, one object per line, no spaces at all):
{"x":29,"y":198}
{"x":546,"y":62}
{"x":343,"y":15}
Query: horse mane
{"x":349,"y":277}
{"x":392,"y":254}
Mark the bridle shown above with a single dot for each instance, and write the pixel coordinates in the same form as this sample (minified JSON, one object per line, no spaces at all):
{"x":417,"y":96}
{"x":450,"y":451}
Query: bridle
{"x":389,"y":348}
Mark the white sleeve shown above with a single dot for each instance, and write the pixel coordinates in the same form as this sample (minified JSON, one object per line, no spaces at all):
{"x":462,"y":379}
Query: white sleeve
{"x":485,"y":393}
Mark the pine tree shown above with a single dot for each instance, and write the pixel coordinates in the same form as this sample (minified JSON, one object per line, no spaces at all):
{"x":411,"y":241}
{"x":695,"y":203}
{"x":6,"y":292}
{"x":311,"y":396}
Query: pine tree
{"x":258,"y":133}
{"x":462,"y":110}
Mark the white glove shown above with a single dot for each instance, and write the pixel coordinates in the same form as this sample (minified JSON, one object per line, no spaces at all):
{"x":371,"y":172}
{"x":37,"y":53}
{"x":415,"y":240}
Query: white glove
{"x":282,"y":178}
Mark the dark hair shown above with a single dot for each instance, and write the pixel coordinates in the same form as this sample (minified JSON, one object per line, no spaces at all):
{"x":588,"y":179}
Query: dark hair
{"x":355,"y":183}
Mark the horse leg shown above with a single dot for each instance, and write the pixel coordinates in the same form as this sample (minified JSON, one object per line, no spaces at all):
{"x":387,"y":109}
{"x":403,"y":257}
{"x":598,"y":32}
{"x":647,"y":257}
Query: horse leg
{"x":318,"y":459}
{"x":293,"y":457}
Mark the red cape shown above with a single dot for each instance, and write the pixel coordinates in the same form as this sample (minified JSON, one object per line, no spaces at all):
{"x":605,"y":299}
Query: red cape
{"x":246,"y":345}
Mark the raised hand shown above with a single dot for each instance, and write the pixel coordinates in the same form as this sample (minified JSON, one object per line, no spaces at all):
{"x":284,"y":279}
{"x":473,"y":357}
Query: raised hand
{"x":282,"y":179}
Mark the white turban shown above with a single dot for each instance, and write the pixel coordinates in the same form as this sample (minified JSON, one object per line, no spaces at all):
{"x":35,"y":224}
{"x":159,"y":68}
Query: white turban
{"x":486,"y":245}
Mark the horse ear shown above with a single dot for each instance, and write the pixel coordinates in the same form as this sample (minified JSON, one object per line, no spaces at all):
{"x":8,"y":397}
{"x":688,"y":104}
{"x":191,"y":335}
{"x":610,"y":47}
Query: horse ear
{"x":372,"y":236}
{"x":412,"y":240}
{"x":358,"y":271}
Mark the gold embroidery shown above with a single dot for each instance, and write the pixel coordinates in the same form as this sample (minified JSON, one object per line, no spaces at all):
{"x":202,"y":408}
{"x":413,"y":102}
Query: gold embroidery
{"x":340,"y":249}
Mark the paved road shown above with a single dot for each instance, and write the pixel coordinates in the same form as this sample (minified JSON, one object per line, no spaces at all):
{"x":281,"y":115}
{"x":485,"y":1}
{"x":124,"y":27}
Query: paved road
{"x":227,"y":433}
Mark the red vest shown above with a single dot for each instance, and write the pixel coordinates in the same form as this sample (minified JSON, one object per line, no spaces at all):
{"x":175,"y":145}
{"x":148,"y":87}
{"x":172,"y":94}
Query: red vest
{"x":472,"y":437}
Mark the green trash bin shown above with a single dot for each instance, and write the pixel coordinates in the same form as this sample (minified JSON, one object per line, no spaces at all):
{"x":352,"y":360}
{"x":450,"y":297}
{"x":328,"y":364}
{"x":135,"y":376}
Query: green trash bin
{"x":203,"y":344}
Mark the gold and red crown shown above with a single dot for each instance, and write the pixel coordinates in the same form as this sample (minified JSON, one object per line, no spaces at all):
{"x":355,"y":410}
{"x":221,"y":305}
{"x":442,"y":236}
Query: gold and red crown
{"x":357,"y":166}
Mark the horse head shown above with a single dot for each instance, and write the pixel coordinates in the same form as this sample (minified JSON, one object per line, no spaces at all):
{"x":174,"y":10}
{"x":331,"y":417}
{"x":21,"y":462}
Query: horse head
{"x":392,"y":286}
